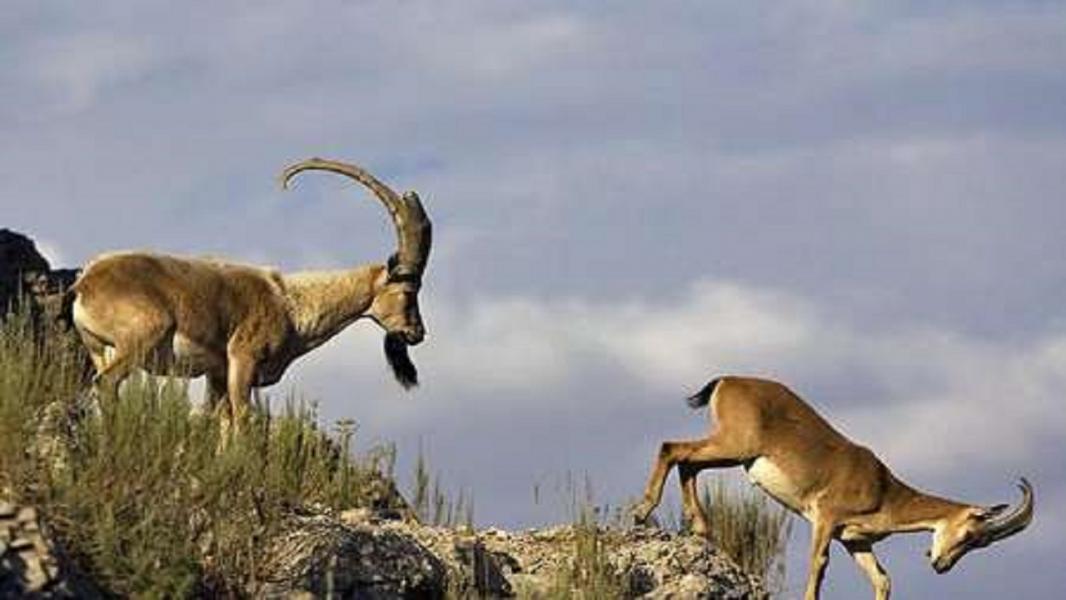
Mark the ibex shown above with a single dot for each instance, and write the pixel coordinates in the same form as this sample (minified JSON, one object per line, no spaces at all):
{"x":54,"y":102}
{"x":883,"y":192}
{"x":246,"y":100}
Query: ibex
{"x":841,"y":488}
{"x":242,"y":325}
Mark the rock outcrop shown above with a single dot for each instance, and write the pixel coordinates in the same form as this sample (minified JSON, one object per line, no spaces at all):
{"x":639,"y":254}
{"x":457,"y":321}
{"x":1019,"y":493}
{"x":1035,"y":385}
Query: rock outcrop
{"x":358,"y":554}
{"x":318,"y":556}
{"x":648,"y":563}
{"x":32,"y":565}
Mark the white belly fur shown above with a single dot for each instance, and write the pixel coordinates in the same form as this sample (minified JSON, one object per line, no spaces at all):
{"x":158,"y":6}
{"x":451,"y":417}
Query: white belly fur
{"x":773,"y":481}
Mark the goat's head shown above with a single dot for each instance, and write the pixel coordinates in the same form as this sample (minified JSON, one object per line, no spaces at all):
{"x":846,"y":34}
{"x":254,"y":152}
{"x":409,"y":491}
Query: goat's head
{"x":976,"y":527}
{"x":395,"y":303}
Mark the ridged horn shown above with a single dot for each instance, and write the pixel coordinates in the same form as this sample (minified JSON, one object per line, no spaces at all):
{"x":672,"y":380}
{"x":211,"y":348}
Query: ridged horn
{"x":1013,"y":520}
{"x":414,"y":232}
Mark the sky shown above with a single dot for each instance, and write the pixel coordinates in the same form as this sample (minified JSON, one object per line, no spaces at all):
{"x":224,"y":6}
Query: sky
{"x":862,"y":200}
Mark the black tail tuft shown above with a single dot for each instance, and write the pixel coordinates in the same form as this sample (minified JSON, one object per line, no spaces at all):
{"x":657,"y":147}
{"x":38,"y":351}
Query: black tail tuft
{"x":702,"y":397}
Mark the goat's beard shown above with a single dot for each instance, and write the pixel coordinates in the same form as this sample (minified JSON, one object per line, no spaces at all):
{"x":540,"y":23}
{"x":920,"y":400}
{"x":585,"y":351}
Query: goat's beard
{"x":396,"y":354}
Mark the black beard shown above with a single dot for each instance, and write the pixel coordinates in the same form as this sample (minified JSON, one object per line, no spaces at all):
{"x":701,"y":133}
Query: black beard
{"x":402,"y":368}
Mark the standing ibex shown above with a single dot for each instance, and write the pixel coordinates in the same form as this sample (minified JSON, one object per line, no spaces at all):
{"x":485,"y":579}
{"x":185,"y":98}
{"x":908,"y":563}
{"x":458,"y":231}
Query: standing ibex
{"x":841,"y":488}
{"x":240,"y":325}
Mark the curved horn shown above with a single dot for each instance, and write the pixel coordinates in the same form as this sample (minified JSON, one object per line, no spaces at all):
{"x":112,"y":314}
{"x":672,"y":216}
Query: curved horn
{"x":1014,"y":520}
{"x":413,"y":228}
{"x":416,"y":235}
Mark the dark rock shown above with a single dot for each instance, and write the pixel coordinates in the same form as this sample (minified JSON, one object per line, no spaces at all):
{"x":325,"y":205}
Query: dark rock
{"x":482,"y":569}
{"x":25,"y":272}
{"x":19,"y":253}
{"x":21,"y":267}
{"x":32,"y":563}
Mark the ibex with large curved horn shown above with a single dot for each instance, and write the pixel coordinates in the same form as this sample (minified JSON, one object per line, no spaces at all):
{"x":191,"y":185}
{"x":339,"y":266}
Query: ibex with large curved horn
{"x":841,"y":488}
{"x":241,"y":325}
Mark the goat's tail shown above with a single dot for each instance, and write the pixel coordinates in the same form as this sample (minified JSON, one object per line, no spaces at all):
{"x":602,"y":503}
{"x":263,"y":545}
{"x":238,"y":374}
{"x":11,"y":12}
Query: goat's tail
{"x":702,"y":397}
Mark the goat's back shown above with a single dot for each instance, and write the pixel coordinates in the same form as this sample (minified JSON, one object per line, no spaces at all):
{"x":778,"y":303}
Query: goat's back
{"x":201,"y":295}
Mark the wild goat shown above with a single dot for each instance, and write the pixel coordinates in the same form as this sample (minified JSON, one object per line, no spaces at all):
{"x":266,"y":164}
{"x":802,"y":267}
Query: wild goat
{"x":841,"y":488}
{"x":241,"y":325}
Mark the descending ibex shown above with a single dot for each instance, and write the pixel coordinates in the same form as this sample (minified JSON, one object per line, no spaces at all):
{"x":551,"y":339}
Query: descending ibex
{"x":240,"y":325}
{"x":841,"y":488}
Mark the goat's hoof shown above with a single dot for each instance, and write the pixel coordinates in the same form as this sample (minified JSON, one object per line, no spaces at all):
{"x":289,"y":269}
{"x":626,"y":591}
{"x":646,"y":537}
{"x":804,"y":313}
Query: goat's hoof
{"x":640,"y":515}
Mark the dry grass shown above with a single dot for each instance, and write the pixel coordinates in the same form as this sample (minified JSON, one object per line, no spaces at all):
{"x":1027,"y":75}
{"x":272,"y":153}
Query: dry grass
{"x":433,"y":505}
{"x":750,"y":528}
{"x":590,"y":574}
{"x":139,"y":490}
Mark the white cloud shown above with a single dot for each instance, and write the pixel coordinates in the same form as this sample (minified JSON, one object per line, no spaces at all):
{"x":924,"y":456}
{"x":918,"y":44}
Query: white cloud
{"x":715,"y":327}
{"x":510,"y":46}
{"x":77,"y":68}
{"x":52,"y":253}
{"x":945,"y":398}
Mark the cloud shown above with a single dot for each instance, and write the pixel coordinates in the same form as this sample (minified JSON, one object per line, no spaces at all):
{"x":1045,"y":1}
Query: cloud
{"x":923,"y":383}
{"x":76,"y":69}
{"x":52,"y":252}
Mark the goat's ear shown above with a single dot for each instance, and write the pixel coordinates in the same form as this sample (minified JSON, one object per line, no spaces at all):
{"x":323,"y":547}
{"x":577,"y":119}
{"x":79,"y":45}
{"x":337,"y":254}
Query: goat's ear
{"x":991,"y":511}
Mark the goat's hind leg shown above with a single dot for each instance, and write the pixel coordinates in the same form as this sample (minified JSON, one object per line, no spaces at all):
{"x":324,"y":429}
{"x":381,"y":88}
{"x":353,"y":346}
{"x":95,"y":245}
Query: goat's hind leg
{"x":115,"y":370}
{"x":716,"y":451}
{"x":129,"y":346}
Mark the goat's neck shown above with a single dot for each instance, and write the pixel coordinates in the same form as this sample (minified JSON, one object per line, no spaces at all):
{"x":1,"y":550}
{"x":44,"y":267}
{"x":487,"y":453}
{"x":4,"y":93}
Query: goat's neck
{"x":322,"y":303}
{"x":911,"y":510}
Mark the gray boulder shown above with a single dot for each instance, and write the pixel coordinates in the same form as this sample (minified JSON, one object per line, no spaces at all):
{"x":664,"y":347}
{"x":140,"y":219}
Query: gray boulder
{"x":318,"y":556}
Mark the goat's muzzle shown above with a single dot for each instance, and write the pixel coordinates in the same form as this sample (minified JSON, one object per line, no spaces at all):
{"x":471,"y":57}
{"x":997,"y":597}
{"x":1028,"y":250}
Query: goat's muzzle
{"x":414,"y":336}
{"x":942,"y":565}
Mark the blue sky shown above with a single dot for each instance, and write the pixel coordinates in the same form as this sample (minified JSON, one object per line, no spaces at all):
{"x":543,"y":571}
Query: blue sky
{"x":864,"y":200}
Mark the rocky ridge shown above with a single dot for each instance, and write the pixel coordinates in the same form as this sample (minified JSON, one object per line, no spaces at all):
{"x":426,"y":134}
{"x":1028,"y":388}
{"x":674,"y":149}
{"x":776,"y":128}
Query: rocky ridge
{"x":358,"y":554}
{"x":373,"y":554}
{"x":378,"y":552}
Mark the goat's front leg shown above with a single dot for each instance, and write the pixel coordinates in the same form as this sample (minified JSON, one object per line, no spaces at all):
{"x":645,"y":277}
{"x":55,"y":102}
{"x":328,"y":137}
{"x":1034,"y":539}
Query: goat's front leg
{"x":239,"y":384}
{"x":864,"y":556}
{"x":821,"y":536}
